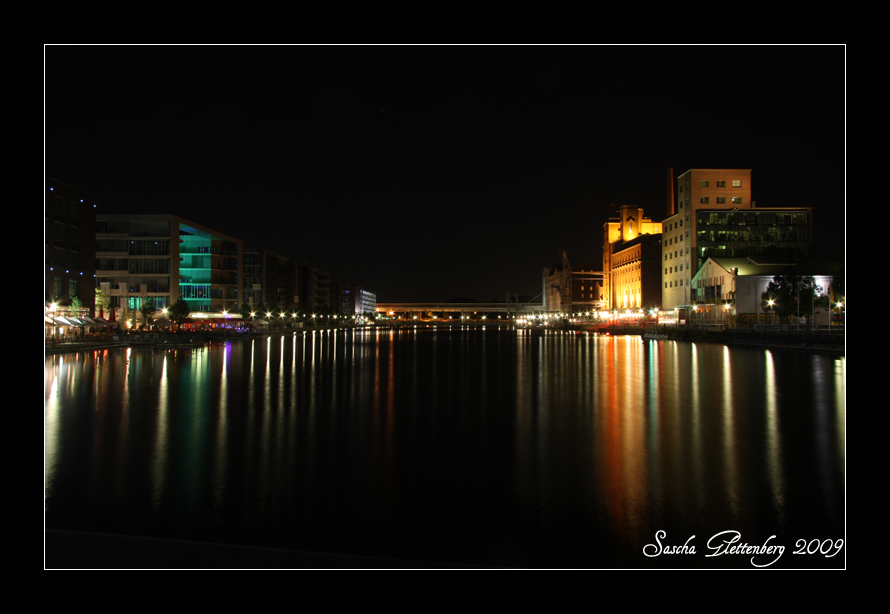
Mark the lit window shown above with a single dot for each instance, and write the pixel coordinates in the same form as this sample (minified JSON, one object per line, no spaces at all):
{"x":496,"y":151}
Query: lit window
{"x":736,"y":183}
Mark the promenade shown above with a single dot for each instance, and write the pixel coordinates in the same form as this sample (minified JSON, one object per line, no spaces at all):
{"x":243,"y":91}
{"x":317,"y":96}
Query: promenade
{"x":823,"y":340}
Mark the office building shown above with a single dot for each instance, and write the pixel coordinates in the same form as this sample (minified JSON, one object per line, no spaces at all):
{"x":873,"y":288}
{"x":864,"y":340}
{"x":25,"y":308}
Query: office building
{"x":69,"y":245}
{"x":160,"y":258}
{"x":356,"y":300}
{"x":715,"y":217}
{"x":270,"y":279}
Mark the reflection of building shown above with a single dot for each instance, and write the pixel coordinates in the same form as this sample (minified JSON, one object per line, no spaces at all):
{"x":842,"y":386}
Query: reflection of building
{"x":269,"y":279}
{"x":716,"y":218}
{"x":357,"y":300}
{"x":163,"y":257}
{"x":631,"y":260}
{"x":70,"y":245}
{"x":572,"y":290}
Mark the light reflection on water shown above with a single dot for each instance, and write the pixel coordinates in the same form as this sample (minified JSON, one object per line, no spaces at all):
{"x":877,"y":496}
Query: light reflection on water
{"x":465,"y":446}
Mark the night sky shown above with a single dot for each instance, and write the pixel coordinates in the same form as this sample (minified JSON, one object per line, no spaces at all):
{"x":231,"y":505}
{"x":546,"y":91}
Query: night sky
{"x":432,"y":172}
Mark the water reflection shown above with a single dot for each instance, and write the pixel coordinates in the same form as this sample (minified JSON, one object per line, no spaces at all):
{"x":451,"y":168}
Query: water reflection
{"x":460,"y":445}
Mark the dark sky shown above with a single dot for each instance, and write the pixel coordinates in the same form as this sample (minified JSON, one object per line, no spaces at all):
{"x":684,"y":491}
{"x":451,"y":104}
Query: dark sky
{"x":426,"y":173}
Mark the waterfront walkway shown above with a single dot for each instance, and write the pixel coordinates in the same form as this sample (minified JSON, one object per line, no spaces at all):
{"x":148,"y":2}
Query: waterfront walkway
{"x":777,"y":337}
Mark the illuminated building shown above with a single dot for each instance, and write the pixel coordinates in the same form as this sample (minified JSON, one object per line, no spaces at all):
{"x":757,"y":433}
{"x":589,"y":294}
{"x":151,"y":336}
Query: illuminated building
{"x":716,"y":218}
{"x":696,"y":189}
{"x":69,"y":245}
{"x":727,"y":289}
{"x":631,"y":258}
{"x":357,"y":300}
{"x":160,"y":258}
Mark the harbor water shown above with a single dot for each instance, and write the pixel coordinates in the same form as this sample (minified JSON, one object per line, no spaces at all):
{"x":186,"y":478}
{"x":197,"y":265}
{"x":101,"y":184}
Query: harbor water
{"x":457,"y":447}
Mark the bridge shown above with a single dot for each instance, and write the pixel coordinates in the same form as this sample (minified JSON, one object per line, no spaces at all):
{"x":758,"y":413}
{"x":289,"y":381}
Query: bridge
{"x":457,"y":311}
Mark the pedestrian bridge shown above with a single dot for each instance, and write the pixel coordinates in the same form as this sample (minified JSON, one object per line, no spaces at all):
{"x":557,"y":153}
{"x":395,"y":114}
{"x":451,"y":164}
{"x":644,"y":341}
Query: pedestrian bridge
{"x":445,"y":310}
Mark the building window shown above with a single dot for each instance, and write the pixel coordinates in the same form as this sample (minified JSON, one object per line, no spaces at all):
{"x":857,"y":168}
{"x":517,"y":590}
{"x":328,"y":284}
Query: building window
{"x":703,"y":200}
{"x":721,"y":184}
{"x":737,"y":200}
{"x":703,"y":183}
{"x":721,"y":200}
{"x":736,"y":183}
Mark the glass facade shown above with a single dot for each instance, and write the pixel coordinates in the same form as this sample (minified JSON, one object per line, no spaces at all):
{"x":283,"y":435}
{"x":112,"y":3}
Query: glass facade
{"x":752,"y":233}
{"x":195,"y":272}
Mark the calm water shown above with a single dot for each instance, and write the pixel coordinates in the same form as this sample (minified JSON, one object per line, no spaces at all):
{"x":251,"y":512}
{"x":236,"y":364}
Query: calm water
{"x":477,"y":447}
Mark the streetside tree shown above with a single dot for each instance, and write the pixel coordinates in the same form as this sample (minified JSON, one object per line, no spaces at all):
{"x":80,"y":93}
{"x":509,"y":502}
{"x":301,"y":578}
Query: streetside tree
{"x":179,"y":311}
{"x":103,"y":302}
{"x":148,"y":310}
{"x":791,"y":295}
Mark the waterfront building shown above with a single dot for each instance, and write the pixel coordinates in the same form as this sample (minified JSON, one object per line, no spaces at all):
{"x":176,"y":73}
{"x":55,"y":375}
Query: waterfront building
{"x":568,"y":289}
{"x":335,"y":293}
{"x":307,"y":287}
{"x":715,"y":217}
{"x":270,"y":279}
{"x":357,"y":300}
{"x":631,"y":260}
{"x":69,"y":245}
{"x":160,"y":258}
{"x":323,"y":296}
{"x":730,"y":290}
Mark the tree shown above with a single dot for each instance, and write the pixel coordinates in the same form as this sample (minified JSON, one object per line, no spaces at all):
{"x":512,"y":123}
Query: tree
{"x":790,"y":295}
{"x":245,"y":311}
{"x":148,"y":310}
{"x":103,"y":301}
{"x":179,"y":311}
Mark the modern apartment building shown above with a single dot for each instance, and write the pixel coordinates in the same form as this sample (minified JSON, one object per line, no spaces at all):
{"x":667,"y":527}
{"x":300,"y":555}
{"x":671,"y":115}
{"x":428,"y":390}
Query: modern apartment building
{"x":631,"y":255}
{"x":715,"y":217}
{"x":270,"y":279}
{"x":163,"y":257}
{"x":69,"y":245}
{"x":307,"y":287}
